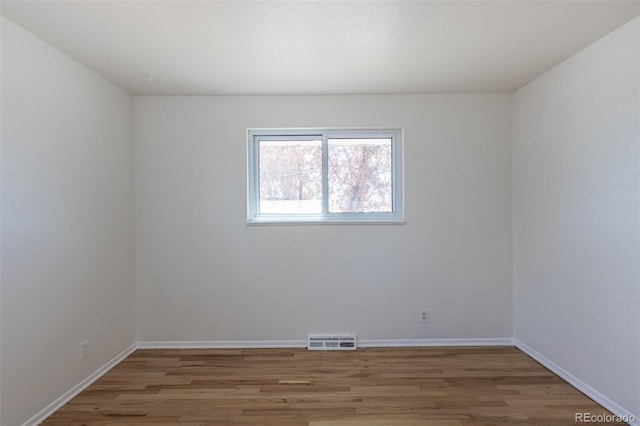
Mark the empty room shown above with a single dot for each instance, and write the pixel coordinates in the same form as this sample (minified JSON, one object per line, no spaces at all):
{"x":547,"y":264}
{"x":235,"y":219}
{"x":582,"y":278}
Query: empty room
{"x":320,"y":213}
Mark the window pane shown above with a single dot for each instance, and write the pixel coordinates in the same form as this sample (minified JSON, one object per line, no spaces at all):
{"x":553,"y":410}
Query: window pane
{"x":360,"y":175}
{"x":290,"y":177}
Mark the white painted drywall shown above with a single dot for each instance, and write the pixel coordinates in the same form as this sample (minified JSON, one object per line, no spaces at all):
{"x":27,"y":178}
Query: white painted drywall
{"x":576,"y":216}
{"x":67,"y":223}
{"x":203,"y":274}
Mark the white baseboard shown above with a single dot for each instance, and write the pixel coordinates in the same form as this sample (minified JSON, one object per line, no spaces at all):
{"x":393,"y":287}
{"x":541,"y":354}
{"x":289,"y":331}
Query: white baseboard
{"x":224,"y":344}
{"x":397,"y":343}
{"x":583,"y":387}
{"x":71,"y":393}
{"x":379,"y":343}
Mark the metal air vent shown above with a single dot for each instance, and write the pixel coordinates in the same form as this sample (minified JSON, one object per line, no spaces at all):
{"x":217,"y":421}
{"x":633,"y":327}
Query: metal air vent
{"x":328,"y":342}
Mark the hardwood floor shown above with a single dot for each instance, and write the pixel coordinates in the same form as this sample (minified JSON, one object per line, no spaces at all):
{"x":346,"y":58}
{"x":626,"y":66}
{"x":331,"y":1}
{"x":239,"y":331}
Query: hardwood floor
{"x":391,"y":386}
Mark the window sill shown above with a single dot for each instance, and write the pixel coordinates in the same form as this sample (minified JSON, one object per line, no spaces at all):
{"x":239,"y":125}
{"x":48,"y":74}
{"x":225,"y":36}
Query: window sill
{"x":321,"y":221}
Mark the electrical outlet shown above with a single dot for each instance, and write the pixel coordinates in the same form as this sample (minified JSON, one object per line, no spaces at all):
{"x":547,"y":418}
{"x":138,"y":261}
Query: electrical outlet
{"x":84,"y":349}
{"x":424,"y":316}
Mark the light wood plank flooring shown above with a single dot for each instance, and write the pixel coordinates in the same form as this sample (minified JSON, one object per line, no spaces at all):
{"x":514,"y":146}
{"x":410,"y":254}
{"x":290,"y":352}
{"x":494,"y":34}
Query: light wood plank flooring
{"x":286,"y":387}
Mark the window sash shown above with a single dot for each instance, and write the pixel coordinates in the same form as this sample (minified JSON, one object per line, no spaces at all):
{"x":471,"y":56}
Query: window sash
{"x":255,"y":136}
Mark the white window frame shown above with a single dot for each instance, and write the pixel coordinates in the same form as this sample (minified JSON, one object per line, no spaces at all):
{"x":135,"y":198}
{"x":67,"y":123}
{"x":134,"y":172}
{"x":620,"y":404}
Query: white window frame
{"x":254,"y":136}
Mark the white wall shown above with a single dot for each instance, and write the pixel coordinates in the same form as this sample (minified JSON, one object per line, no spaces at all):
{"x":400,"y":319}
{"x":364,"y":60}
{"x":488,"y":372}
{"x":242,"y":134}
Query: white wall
{"x":67,"y":223}
{"x":204,"y":275}
{"x":576,"y":216}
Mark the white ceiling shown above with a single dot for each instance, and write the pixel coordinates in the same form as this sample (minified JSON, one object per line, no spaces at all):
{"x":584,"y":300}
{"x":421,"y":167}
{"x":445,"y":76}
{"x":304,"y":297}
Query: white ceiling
{"x":320,"y":47}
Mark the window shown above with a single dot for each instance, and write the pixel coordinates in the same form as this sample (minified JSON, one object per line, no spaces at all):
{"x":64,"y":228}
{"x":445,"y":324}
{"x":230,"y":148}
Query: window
{"x":326,"y":175}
